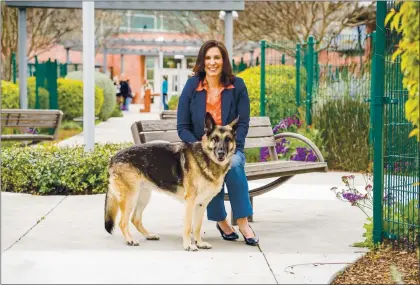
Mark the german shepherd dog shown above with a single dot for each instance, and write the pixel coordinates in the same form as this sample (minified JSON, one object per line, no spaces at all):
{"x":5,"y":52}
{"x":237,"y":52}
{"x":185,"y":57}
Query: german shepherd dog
{"x":192,"y":172}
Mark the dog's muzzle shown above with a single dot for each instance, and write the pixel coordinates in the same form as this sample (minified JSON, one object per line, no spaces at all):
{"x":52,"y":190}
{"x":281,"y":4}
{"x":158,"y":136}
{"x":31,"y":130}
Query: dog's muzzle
{"x":221,"y":155}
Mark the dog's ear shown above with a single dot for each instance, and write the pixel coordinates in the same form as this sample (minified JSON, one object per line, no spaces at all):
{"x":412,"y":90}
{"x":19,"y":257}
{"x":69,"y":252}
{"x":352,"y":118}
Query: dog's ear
{"x":234,"y":123}
{"x":209,"y":123}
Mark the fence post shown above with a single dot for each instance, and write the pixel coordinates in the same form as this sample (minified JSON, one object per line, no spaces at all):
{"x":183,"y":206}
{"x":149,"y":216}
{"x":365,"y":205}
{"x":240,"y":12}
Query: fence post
{"x":316,"y":69}
{"x":14,"y":67}
{"x":52,"y":84}
{"x":372,"y":88}
{"x":378,"y":120}
{"x":283,"y":59}
{"x":262,"y":83}
{"x":37,"y":83}
{"x":298,"y":75}
{"x":310,"y":79}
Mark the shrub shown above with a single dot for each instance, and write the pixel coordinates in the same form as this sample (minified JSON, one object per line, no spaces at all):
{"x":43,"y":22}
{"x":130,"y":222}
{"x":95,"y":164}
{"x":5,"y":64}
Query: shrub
{"x":117,"y":112}
{"x":280,"y":90}
{"x":54,"y":170}
{"x":71,"y":125}
{"x":344,"y":124}
{"x":104,"y":82}
{"x":9,"y":95}
{"x":70,"y":98}
{"x":11,"y":100}
{"x":44,"y":95}
{"x":173,"y":102}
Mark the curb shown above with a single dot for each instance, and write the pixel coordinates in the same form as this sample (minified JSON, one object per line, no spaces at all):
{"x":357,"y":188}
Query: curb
{"x":335,"y":275}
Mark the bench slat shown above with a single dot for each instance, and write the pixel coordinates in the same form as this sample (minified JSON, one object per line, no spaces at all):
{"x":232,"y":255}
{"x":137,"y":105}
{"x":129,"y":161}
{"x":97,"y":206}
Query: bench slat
{"x":29,"y":116}
{"x":253,"y":132}
{"x":257,"y":132}
{"x":31,"y":111}
{"x":156,"y":125}
{"x":168,"y":125}
{"x":24,"y":137}
{"x":259,"y":142}
{"x":30,"y":124}
{"x":282,"y":168}
{"x":172,"y":136}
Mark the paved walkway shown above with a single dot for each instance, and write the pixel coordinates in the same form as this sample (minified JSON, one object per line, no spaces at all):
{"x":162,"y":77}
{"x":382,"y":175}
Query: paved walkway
{"x":305,"y":235}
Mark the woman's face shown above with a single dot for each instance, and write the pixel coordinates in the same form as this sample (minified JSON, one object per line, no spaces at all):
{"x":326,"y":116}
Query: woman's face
{"x":213,"y":62}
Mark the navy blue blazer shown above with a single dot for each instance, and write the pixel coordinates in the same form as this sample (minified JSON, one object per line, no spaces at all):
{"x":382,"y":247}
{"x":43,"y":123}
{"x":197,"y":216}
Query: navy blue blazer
{"x":192,"y":110}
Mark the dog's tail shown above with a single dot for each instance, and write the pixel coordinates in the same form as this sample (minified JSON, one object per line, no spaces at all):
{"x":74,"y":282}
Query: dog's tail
{"x":111,"y":210}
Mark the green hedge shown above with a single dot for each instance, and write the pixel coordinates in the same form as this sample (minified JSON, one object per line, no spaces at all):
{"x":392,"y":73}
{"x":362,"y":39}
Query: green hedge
{"x":70,"y":98}
{"x":173,"y":102}
{"x":10,"y":95}
{"x":104,"y":82}
{"x":52,"y":170}
{"x":280,"y":90}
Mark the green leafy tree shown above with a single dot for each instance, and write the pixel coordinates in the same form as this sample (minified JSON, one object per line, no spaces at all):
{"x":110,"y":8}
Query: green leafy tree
{"x":406,"y":22}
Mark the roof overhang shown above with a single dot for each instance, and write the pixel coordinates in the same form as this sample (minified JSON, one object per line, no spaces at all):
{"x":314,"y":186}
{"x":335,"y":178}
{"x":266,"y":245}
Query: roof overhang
{"x":157,"y":5}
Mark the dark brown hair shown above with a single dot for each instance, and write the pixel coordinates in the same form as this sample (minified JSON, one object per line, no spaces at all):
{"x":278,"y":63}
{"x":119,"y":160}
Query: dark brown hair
{"x":226,"y":77}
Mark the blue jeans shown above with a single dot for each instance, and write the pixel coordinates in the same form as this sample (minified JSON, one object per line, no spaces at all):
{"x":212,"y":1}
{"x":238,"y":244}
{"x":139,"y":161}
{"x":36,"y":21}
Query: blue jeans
{"x":165,"y":105}
{"x":237,"y":186}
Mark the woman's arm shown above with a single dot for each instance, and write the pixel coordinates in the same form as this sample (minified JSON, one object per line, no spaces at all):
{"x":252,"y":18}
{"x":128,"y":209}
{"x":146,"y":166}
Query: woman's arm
{"x":184,"y":125}
{"x":243,"y":107}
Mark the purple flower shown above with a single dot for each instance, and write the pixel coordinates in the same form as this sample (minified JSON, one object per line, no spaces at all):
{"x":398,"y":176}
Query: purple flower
{"x":352,"y":198}
{"x":264,"y":154}
{"x":281,"y":147}
{"x":311,"y":156}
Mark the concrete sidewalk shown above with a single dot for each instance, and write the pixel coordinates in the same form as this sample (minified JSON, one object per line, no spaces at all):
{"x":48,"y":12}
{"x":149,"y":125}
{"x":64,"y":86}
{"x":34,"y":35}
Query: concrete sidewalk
{"x":305,"y":236}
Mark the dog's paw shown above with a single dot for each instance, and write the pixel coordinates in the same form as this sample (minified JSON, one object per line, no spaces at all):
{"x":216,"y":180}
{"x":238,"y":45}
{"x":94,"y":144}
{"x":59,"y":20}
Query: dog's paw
{"x":190,"y":247}
{"x":152,"y":237}
{"x":132,"y":243}
{"x":203,"y":245}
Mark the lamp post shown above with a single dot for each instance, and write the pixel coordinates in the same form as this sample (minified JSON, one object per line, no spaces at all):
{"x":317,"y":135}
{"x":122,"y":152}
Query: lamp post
{"x":228,"y":17}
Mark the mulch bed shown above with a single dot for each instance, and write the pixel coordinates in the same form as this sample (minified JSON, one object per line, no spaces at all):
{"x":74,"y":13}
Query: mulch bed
{"x":377,"y":267}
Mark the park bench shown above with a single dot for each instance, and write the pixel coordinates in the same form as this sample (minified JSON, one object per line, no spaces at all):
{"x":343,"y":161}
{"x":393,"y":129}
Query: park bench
{"x":28,"y":121}
{"x":260,"y":134}
{"x":168,"y":115}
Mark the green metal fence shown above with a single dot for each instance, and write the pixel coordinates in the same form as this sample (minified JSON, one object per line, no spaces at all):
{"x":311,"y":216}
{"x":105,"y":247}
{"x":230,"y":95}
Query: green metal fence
{"x":283,"y":79}
{"x":396,"y":156}
{"x":341,"y":68}
{"x":46,"y":75}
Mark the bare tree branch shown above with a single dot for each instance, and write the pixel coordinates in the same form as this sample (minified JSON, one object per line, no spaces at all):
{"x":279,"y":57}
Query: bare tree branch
{"x":49,"y":27}
{"x":289,"y":22}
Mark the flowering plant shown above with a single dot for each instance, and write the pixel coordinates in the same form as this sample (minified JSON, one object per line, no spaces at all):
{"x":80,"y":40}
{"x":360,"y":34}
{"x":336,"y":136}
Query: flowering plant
{"x":361,"y":199}
{"x":287,"y":149}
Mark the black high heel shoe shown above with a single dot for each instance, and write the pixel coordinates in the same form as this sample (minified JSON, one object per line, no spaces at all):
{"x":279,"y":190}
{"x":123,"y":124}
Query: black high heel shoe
{"x":251,"y":241}
{"x":232,"y":236}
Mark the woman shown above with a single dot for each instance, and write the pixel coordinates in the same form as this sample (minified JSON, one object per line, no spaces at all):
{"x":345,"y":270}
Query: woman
{"x":214,"y":89}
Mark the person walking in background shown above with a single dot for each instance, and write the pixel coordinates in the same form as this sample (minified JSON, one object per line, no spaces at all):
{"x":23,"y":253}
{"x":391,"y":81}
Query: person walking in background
{"x":129,"y":96}
{"x":165,"y":92}
{"x":117,"y":91}
{"x":124,"y":92}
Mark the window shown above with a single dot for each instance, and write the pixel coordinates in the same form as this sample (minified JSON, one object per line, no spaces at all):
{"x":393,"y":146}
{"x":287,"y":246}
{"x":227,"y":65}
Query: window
{"x":170,"y":62}
{"x":191,"y":62}
{"x":143,"y":21}
{"x":150,"y":71}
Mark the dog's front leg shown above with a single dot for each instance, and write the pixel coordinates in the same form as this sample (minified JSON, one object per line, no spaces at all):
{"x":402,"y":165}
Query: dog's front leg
{"x":199,"y":210}
{"x":187,"y":225}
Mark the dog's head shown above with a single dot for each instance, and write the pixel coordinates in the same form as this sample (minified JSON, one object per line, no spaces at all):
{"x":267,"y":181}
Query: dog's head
{"x":219,"y":141}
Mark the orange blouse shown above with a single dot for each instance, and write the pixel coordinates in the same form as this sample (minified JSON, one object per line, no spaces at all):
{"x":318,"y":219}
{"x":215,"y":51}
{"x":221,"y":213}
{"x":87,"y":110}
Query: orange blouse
{"x":214,"y":100}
